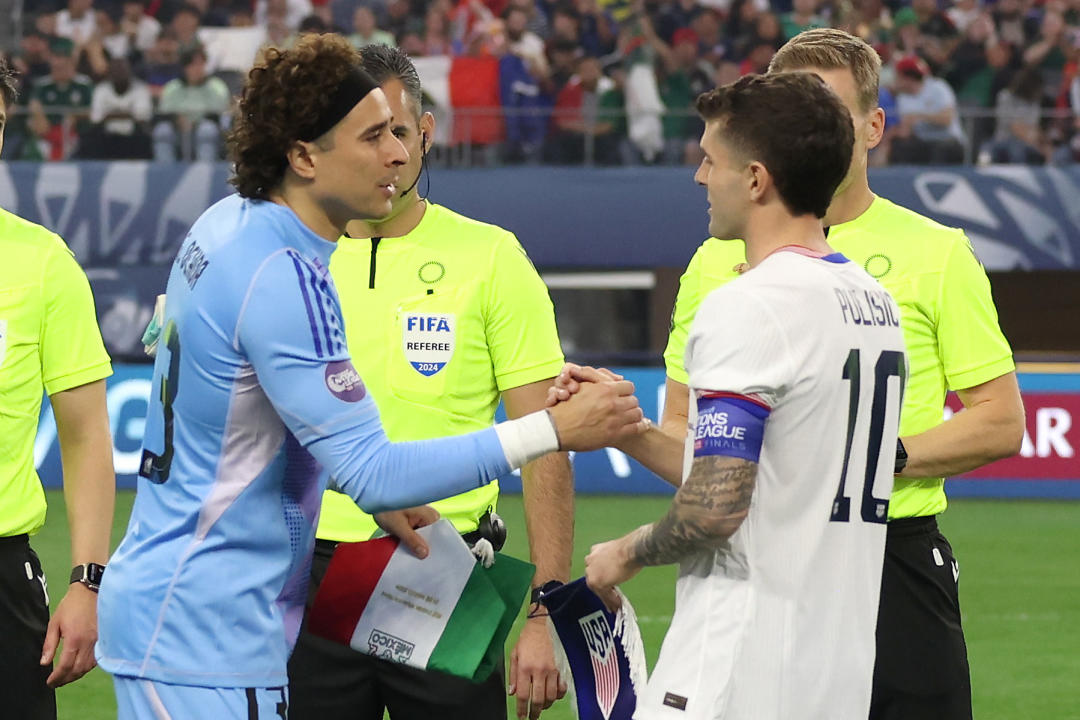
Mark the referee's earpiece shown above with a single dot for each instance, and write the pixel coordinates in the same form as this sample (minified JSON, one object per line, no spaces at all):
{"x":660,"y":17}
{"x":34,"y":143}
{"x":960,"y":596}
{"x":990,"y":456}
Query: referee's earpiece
{"x":423,"y":143}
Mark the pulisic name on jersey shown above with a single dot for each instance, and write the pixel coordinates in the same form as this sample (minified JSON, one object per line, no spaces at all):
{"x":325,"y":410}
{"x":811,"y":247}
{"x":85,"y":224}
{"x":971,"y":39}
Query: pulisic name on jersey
{"x":867,"y":307}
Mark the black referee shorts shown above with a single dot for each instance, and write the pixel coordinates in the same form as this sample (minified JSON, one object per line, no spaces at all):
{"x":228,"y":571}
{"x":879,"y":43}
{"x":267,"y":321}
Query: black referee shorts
{"x":24,"y":618}
{"x":921,"y":671}
{"x":329,"y":681}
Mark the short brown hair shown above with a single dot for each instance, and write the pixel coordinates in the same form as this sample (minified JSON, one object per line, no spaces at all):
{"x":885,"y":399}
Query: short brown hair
{"x":831,"y":49}
{"x":284,"y":97}
{"x":794,"y":125}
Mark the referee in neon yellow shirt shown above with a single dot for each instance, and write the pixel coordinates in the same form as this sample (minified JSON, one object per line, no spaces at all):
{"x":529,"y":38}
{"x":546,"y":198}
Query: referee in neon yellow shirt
{"x":953,"y":343}
{"x":49,"y":343}
{"x":443,"y":315}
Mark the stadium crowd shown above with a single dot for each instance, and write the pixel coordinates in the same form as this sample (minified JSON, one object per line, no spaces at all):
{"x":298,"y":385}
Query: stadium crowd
{"x":558,"y":81}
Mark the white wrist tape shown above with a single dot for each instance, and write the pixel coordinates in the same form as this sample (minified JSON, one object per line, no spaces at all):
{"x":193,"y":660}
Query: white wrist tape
{"x":527,"y":438}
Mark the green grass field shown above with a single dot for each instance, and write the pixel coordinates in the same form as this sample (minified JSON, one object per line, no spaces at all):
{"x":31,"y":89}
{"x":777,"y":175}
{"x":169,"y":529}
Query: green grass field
{"x":1020,"y":590}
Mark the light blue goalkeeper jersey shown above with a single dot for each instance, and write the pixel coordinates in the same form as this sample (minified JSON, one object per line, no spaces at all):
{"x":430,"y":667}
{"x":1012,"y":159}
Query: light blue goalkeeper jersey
{"x":255,"y":403}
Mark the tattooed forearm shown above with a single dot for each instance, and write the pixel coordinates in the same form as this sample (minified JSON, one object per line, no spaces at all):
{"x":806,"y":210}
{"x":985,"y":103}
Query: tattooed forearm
{"x":707,"y":509}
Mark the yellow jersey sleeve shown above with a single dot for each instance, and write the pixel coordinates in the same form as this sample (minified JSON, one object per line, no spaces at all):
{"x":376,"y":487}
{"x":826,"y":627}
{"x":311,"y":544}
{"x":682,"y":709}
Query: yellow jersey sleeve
{"x":687,"y":302}
{"x":713,"y":265}
{"x":72,"y":352}
{"x":972,"y":346}
{"x":522,"y":339}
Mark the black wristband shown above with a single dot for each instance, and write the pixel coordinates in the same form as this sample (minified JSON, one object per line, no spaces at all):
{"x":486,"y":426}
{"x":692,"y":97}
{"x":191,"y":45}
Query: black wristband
{"x":901,"y":457}
{"x":538,"y":594}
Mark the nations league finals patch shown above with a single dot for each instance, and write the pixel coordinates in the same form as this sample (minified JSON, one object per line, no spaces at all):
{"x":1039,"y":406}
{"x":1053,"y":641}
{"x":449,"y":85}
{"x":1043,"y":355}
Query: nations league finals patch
{"x":428,"y":341}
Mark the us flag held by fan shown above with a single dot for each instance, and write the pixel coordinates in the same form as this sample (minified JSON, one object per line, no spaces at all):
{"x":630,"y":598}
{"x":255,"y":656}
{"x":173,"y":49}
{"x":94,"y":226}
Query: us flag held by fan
{"x":598,"y":652}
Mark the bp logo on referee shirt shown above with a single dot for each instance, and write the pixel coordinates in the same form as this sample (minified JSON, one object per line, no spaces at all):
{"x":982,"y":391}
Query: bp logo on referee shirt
{"x":428,"y":341}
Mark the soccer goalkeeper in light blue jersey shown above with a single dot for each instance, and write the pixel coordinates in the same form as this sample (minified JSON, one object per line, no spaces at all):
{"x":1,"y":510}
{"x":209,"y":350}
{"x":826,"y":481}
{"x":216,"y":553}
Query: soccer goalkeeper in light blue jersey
{"x":256,"y":407}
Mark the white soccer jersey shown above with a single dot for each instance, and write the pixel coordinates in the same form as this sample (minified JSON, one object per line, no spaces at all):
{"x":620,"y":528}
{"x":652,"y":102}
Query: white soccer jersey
{"x":779,"y":624}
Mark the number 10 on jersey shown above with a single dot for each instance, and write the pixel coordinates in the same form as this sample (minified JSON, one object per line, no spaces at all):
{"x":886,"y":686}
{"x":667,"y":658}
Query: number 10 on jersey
{"x":889,"y":363}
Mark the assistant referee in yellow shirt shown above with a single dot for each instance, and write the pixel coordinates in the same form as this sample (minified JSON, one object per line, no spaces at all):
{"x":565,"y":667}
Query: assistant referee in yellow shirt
{"x":443,"y":315}
{"x":953,"y":343}
{"x":49,"y":343}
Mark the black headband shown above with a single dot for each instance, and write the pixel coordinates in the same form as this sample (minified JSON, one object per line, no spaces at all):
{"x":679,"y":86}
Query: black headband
{"x":353,"y":88}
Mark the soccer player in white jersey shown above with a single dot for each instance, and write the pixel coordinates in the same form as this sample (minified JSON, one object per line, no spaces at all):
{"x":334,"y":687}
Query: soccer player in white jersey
{"x":257,"y":407}
{"x":796,"y":374}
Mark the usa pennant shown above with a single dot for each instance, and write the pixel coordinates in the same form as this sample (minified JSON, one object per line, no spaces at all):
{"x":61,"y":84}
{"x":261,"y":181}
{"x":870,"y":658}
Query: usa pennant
{"x":599,"y":653}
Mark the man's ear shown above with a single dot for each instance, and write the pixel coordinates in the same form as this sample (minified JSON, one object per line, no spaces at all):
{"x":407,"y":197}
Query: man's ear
{"x":427,"y":131}
{"x":875,"y":128}
{"x":301,"y":160}
{"x":759,"y":181}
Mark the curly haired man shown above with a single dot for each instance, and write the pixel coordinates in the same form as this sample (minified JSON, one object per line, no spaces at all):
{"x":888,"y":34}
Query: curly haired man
{"x":257,"y":404}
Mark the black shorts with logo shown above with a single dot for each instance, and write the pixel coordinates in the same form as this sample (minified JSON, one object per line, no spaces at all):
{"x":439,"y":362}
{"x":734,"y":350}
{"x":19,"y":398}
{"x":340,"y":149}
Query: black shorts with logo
{"x":921,"y":671}
{"x":328,"y":681}
{"x":24,"y":618}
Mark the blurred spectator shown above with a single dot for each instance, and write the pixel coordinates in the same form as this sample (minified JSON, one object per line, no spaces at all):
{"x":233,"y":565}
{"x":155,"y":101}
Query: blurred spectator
{"x":766,"y":33}
{"x":311,"y":24}
{"x":682,"y":77}
{"x":91,"y":57}
{"x":215,"y":13}
{"x":929,"y":129}
{"x":120,"y":114}
{"x":526,"y":105}
{"x":1069,"y":152}
{"x":675,"y":16}
{"x":185,"y":26}
{"x":399,"y":18}
{"x":1013,"y":25}
{"x":59,"y":102}
{"x":1018,"y":112}
{"x":46,"y":24}
{"x":1049,"y":51}
{"x":193,"y":107}
{"x":278,"y":30}
{"x":365,"y":31}
{"x":710,"y":36}
{"x":563,"y":57}
{"x":906,"y":35}
{"x":241,"y":16}
{"x":114,"y":42}
{"x":524,"y":43}
{"x":739,"y":28}
{"x":77,"y":22}
{"x":294,"y":11}
{"x":474,"y":96}
{"x":578,"y":116}
{"x":436,"y":38}
{"x":758,"y":58}
{"x":141,"y":29}
{"x":803,"y":16}
{"x":873,"y":23}
{"x":597,"y":29}
{"x":162,"y":62}
{"x":969,"y":72}
{"x":537,"y":21}
{"x":33,"y":59}
{"x":938,"y":36}
{"x":565,"y":26}
{"x":963,"y":13}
